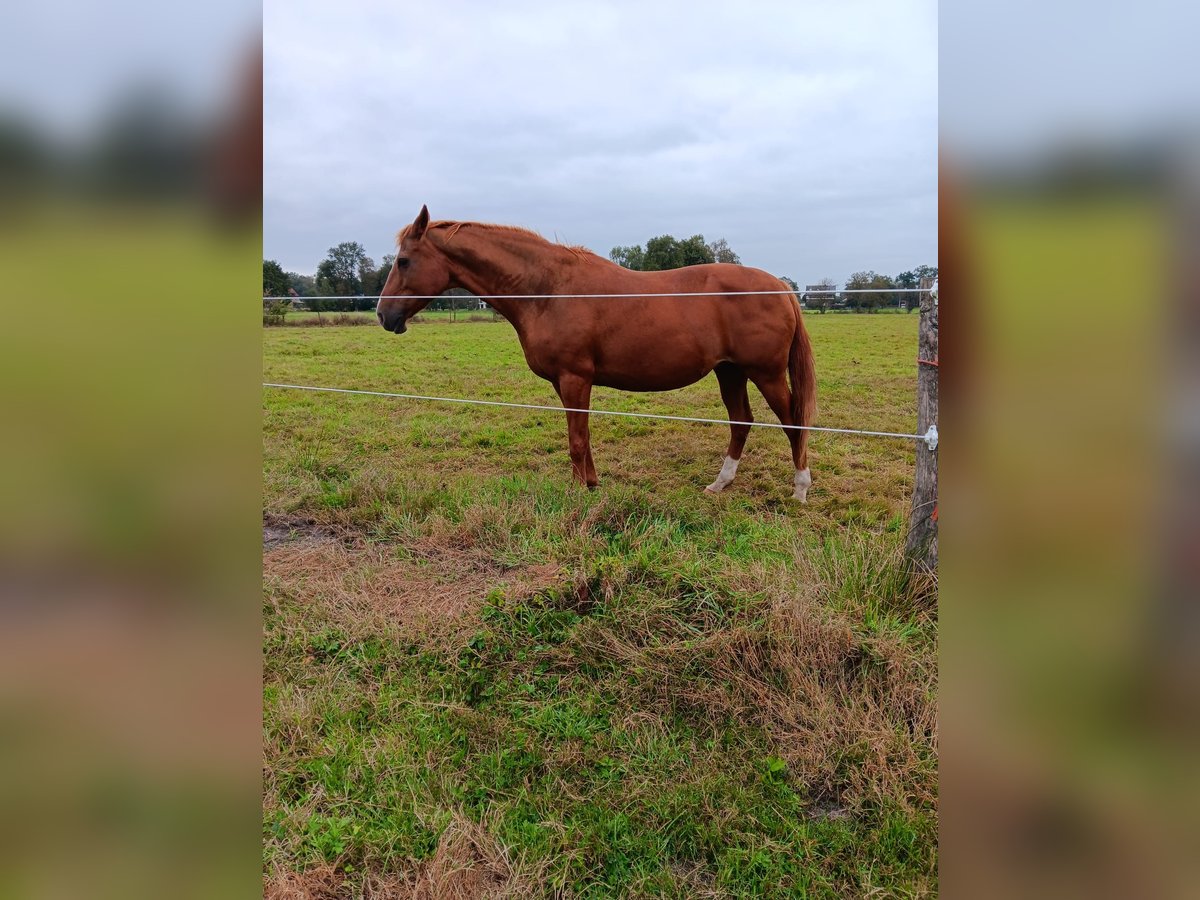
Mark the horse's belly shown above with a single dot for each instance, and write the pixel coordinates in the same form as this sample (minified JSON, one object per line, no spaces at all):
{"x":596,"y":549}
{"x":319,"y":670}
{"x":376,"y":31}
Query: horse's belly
{"x":651,"y":378}
{"x":655,"y":359}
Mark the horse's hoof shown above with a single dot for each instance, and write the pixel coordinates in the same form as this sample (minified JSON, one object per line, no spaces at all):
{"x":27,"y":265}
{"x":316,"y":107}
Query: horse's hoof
{"x":709,"y":490}
{"x":803,"y":483}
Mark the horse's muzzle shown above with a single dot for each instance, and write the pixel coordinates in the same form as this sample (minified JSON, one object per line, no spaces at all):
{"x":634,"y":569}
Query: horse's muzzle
{"x":395,"y":323}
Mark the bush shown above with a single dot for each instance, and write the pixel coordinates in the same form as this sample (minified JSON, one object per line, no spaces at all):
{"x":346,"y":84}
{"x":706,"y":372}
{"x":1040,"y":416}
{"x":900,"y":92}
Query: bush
{"x":275,"y":312}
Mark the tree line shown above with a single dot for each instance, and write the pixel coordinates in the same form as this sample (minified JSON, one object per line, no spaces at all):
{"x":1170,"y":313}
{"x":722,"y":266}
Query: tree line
{"x":352,"y":279}
{"x":346,"y":274}
{"x":669,"y":252}
{"x":346,"y":279}
{"x":879,"y":291}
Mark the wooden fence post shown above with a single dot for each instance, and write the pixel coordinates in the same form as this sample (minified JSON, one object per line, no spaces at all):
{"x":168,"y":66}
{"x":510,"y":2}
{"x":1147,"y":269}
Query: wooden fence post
{"x":921,"y":547}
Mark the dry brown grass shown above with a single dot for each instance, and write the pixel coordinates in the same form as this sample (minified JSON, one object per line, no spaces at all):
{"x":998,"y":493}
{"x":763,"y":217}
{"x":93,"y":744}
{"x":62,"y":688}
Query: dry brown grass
{"x":853,"y":715}
{"x":468,"y":864}
{"x":424,"y":588}
{"x":318,"y":883}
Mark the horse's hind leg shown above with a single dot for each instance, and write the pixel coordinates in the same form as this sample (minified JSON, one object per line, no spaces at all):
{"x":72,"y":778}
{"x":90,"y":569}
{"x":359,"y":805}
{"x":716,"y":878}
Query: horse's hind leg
{"x":779,"y":397}
{"x":733,"y":392}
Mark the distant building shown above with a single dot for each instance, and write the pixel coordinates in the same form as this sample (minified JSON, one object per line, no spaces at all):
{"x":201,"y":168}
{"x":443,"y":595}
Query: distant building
{"x":818,"y":295}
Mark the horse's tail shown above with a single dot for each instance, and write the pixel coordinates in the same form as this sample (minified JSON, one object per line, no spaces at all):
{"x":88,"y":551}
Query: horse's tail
{"x":803,"y":375}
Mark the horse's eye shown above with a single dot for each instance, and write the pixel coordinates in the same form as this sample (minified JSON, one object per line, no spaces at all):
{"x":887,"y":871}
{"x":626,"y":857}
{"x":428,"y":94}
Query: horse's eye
{"x":402,"y":262}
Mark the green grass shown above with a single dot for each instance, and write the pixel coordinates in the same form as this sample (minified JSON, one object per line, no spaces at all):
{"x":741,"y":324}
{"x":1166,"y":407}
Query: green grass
{"x":476,"y":670}
{"x":425,"y":316}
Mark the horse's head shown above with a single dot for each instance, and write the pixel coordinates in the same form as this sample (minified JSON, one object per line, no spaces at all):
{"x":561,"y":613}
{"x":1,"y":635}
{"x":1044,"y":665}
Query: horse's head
{"x":420,"y":271}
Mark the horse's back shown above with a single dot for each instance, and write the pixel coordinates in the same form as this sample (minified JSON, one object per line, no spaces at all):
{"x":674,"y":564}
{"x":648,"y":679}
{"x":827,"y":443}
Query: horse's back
{"x":716,"y":277}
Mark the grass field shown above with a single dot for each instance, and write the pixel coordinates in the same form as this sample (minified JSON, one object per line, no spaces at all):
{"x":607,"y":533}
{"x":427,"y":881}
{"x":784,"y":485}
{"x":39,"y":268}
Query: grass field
{"x":299,"y":316}
{"x":482,"y":678}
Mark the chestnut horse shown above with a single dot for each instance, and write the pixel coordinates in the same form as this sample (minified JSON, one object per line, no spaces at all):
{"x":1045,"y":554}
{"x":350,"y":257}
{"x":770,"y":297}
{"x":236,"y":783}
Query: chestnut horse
{"x":639,"y":343}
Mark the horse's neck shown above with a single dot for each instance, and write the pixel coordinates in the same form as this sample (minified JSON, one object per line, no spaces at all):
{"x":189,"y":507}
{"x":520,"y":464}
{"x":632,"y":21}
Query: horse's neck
{"x":500,"y":265}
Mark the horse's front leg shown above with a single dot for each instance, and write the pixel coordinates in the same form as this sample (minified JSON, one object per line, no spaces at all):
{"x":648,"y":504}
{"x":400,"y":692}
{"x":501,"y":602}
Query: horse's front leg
{"x":575,"y":392}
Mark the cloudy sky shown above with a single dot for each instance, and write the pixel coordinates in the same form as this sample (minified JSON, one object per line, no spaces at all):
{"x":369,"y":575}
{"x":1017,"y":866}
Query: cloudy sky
{"x":804,"y":133}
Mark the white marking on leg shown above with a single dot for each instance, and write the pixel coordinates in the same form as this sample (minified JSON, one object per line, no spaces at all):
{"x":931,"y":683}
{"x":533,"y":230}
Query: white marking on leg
{"x":803,"y":483}
{"x":728,"y":470}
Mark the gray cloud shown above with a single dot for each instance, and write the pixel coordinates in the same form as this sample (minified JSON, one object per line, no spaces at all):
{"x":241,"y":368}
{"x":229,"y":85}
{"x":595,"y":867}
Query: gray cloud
{"x":805,"y":134}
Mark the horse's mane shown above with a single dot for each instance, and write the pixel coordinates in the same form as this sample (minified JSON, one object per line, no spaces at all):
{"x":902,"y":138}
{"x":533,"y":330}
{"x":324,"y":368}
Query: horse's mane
{"x":453,"y":228}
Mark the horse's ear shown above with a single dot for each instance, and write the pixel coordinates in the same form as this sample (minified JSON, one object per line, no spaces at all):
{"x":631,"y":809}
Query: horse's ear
{"x":420,"y":224}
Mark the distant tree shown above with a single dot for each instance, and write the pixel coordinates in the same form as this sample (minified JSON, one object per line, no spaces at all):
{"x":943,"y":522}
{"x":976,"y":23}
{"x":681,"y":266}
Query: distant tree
{"x":873,"y":299}
{"x":908,"y":280}
{"x":275,"y":280}
{"x":662,"y":252}
{"x":723,"y":253}
{"x":366,"y":271}
{"x":375,"y":279}
{"x":792,"y":284}
{"x":926,"y":272}
{"x":695,"y":252}
{"x":821,"y":296}
{"x":303,"y":285}
{"x":340,"y":274}
{"x":912,"y":279}
{"x":630,"y":257}
{"x":668,"y":252}
{"x":368,"y":276}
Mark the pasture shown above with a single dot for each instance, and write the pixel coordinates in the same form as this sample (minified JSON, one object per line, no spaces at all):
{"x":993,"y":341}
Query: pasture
{"x":481,"y":676}
{"x":307,"y":317}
